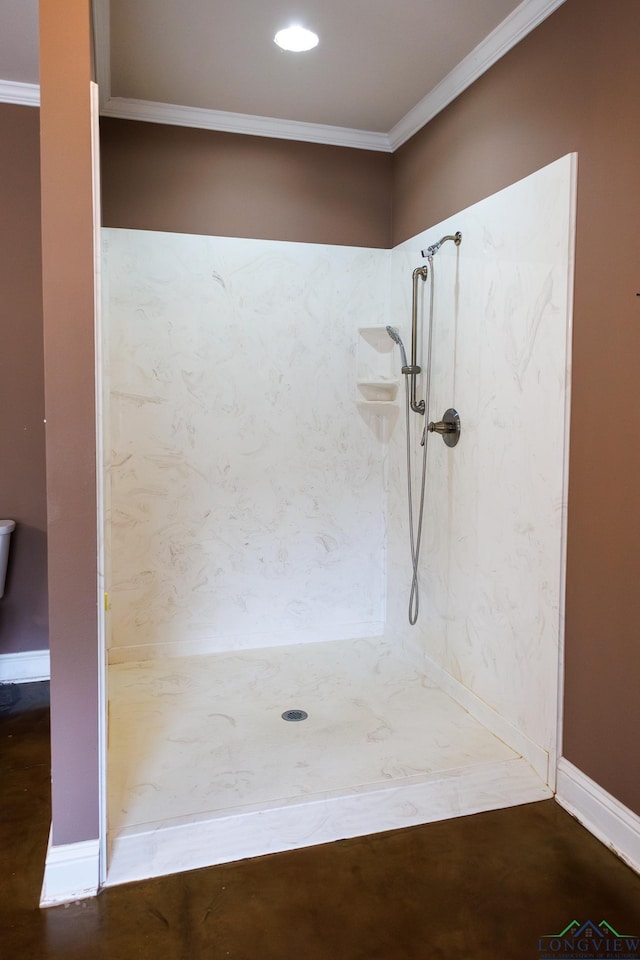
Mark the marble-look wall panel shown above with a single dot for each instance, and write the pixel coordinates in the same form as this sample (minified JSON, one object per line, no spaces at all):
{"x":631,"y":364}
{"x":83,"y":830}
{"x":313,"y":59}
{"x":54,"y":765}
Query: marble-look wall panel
{"x":492,"y":564}
{"x":247,"y":497}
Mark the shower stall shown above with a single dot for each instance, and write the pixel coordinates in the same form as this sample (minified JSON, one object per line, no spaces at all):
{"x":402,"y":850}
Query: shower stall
{"x":257,"y":538}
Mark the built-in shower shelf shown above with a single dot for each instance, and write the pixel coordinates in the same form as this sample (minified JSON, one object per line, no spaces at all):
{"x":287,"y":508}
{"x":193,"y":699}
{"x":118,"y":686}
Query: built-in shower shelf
{"x":377,"y":337}
{"x":376,"y":376}
{"x":378,"y":391}
{"x":379,"y":407}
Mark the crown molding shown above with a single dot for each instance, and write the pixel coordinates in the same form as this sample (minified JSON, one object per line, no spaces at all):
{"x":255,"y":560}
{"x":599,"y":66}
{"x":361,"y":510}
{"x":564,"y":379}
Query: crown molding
{"x":221,"y":120}
{"x":525,"y":18}
{"x":27,"y":94}
{"x":506,"y":35}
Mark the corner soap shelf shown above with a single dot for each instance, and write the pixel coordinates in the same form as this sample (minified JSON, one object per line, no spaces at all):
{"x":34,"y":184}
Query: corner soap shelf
{"x":377,"y":381}
{"x":377,"y":337}
{"x":377,"y":391}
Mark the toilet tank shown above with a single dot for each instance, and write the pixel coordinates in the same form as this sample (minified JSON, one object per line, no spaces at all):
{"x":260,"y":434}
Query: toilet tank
{"x":6,"y":529}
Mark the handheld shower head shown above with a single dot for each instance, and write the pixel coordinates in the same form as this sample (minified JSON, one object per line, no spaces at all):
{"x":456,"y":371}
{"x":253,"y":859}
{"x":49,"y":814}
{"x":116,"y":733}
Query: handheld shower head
{"x":395,"y":336}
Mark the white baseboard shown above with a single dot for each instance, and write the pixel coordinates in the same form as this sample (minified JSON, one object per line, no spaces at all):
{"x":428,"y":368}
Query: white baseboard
{"x":25,"y":667}
{"x":71,"y":872}
{"x":603,"y":816}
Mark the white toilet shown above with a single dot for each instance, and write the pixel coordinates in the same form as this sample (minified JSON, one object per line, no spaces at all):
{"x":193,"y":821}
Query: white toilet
{"x":6,"y":529}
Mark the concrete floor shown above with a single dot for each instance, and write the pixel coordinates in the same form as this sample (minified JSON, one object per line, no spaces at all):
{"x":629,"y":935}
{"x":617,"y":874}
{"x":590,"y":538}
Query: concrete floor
{"x":484,"y":887}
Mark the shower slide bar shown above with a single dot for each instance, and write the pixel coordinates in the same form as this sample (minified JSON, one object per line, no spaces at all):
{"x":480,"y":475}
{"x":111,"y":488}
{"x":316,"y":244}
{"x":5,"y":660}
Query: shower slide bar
{"x":421,"y":273}
{"x":414,"y":369}
{"x":448,"y":428}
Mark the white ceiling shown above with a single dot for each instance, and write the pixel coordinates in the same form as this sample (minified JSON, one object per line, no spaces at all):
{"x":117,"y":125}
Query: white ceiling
{"x":19,"y":41}
{"x":375,"y":59}
{"x":382,"y":69}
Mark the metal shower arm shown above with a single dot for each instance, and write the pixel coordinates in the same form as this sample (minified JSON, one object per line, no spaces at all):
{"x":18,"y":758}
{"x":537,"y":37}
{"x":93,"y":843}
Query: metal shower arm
{"x":456,"y":237}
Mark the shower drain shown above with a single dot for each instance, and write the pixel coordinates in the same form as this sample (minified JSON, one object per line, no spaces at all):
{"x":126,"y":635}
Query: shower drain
{"x":294,"y":715}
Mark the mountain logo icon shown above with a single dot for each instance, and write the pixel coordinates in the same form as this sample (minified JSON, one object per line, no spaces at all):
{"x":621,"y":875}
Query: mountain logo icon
{"x":591,"y":941}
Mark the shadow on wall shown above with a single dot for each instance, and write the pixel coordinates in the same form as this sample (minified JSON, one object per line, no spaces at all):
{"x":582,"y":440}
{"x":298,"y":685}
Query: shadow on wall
{"x":24,"y":623}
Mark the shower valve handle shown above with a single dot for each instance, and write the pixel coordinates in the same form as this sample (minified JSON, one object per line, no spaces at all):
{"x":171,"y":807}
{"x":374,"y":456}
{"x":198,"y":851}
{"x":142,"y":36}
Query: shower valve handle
{"x":448,"y":427}
{"x":442,"y":427}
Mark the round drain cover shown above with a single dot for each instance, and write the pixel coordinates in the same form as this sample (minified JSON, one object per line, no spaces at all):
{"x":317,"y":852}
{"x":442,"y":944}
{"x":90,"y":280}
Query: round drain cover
{"x":294,"y":715}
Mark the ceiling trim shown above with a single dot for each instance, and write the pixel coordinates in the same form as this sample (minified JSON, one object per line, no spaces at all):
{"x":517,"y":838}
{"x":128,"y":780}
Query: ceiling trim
{"x":221,"y":120}
{"x":525,"y":18}
{"x":27,"y":94}
{"x":507,"y":34}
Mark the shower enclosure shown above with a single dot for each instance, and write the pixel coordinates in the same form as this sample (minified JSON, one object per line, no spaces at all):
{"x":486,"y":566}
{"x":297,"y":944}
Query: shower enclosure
{"x":256,"y":533}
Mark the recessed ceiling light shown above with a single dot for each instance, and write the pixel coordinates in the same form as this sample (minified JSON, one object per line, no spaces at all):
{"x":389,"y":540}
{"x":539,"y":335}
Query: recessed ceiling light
{"x":296,"y":38}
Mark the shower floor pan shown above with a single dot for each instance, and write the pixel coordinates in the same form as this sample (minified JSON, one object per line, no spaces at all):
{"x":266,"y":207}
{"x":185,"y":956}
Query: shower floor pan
{"x":202,"y":769}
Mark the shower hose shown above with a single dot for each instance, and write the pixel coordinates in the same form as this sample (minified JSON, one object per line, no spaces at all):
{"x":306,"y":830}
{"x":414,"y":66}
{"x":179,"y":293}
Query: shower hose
{"x":415,"y":533}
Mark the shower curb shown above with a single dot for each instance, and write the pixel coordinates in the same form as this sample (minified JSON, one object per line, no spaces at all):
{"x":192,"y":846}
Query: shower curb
{"x":170,"y":846}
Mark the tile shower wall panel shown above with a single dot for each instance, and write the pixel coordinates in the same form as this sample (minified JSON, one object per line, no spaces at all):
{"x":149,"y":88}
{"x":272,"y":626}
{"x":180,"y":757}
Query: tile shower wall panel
{"x":492,"y":557}
{"x":247,"y":499}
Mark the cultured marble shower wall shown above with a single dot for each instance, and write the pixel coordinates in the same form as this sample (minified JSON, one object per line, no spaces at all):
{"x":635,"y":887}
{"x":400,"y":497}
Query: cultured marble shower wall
{"x":254,"y":499}
{"x":246,"y":487}
{"x":492,"y":564}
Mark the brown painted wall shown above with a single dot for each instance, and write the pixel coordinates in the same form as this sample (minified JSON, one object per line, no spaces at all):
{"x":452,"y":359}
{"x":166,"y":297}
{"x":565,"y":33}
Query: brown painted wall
{"x":573,"y":84}
{"x":23,"y":609}
{"x":67,"y":257}
{"x":157,"y":177}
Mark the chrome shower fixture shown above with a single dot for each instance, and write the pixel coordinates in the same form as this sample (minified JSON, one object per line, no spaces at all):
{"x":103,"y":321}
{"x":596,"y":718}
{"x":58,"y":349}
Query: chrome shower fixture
{"x":395,"y":336}
{"x":412,"y":369}
{"x":433,"y":249}
{"x":448,"y":427}
{"x":420,"y":273}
